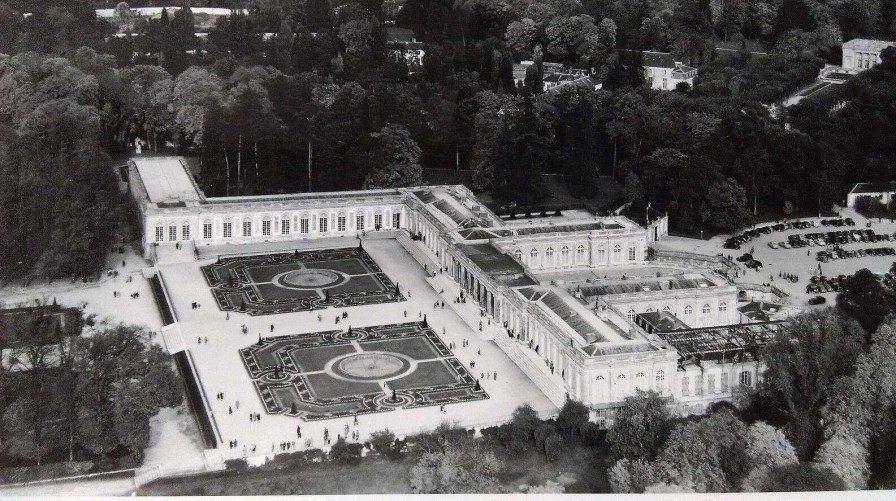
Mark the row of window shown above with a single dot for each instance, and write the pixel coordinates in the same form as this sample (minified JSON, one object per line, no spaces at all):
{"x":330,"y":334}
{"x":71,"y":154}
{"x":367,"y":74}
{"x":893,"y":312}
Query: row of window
{"x":688,"y":310}
{"x":580,"y":254}
{"x":285,"y":227}
{"x":745,"y":378}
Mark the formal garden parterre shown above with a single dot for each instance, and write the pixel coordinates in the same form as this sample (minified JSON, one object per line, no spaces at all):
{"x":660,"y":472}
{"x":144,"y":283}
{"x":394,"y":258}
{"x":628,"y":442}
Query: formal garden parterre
{"x":299,"y":281}
{"x":338,"y":373}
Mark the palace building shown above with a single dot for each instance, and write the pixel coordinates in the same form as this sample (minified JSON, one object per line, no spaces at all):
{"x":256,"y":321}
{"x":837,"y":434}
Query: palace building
{"x":585,"y":313}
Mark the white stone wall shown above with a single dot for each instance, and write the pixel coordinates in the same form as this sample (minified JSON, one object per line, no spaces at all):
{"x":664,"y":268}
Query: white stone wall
{"x":259,"y":220}
{"x":722,"y":303}
{"x":578,"y":250}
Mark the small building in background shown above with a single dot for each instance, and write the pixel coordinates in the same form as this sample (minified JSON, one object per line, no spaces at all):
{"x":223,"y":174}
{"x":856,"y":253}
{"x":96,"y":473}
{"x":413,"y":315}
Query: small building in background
{"x":861,"y":54}
{"x":663,"y":72}
{"x":882,"y":192}
{"x":403,"y":45}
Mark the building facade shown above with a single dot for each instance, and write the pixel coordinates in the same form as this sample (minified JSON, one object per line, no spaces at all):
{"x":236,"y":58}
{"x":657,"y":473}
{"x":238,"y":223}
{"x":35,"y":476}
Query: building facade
{"x":663,"y":72}
{"x":573,"y":333}
{"x":861,"y":54}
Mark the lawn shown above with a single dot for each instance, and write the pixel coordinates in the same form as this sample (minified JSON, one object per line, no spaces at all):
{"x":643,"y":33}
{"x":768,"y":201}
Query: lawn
{"x":418,"y":348}
{"x":434,"y":373}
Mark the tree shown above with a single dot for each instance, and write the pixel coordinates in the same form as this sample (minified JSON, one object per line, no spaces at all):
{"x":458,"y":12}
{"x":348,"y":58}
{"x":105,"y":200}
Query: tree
{"x":385,"y":443}
{"x":633,"y":190}
{"x":124,"y":381}
{"x":847,"y":458}
{"x":866,"y":300}
{"x":346,"y":453}
{"x":573,"y":416}
{"x":520,"y":36}
{"x":725,"y":206}
{"x":631,"y":477}
{"x":195,"y":93}
{"x":799,"y":477}
{"x":640,"y":427}
{"x":803,"y":360}
{"x":463,"y":466}
{"x":707,"y":455}
{"x":522,"y":426}
{"x":397,"y":161}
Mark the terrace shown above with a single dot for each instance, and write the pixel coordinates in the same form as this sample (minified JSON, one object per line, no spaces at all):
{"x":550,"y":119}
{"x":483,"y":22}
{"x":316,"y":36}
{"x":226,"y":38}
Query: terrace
{"x":722,"y":341}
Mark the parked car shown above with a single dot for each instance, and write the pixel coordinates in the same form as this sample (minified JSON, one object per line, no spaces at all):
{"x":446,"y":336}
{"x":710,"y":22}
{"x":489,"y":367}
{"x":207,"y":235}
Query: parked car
{"x":755,"y":265}
{"x":785,"y":245}
{"x":773,"y":245}
{"x":745,"y":258}
{"x":817,"y":300}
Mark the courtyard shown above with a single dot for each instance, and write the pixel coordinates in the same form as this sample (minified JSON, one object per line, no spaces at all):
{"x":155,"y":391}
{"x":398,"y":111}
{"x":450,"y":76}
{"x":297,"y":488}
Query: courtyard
{"x":299,"y":281}
{"x":333,"y":383}
{"x":339,"y":373}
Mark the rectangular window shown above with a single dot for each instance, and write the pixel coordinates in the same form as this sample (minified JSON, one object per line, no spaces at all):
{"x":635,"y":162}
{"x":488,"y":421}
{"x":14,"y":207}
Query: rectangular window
{"x":396,"y":220}
{"x":247,"y":228}
{"x":685,"y":386}
{"x":160,"y":233}
{"x":359,"y":222}
{"x":185,"y":232}
{"x":601,"y":255}
{"x":323,"y":224}
{"x":303,"y":227}
{"x":172,"y":233}
{"x":228,"y":230}
{"x":664,"y":84}
{"x":284,"y":226}
{"x":266,"y":228}
{"x":711,"y":383}
{"x":377,"y":221}
{"x":724,"y":379}
{"x":340,"y":223}
{"x":207,"y":230}
{"x":631,"y":253}
{"x":698,"y":384}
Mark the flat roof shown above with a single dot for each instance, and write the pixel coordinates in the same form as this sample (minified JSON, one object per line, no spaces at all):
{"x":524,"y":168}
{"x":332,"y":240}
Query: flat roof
{"x":503,"y":269}
{"x":680,"y":282}
{"x":866,"y":44}
{"x":166,"y":180}
{"x":874,"y":187}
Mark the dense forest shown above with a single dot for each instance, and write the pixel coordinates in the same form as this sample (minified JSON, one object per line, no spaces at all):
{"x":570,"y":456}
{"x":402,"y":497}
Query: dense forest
{"x":258,"y":95}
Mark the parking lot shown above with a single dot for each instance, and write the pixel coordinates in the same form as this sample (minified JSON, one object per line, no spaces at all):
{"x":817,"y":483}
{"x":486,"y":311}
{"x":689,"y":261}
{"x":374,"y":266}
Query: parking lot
{"x":815,"y":257}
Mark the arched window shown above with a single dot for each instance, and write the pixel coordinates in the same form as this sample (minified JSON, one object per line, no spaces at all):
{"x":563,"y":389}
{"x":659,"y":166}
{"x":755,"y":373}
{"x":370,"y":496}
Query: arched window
{"x":667,"y":308}
{"x":549,"y":255}
{"x":688,"y":310}
{"x":723,"y":306}
{"x":746,"y":379}
{"x":639,"y":380}
{"x":518,"y":254}
{"x":533,"y":255}
{"x":706,"y":309}
{"x":621,"y":376}
{"x":580,"y":254}
{"x":266,"y":226}
{"x":207,"y":229}
{"x":631,"y":315}
{"x":564,"y":254}
{"x":660,"y":376}
{"x":599,"y":378}
{"x":651,"y":309}
{"x":617,"y":252}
